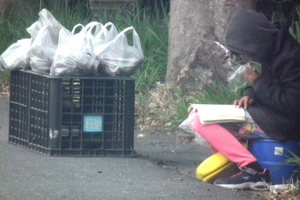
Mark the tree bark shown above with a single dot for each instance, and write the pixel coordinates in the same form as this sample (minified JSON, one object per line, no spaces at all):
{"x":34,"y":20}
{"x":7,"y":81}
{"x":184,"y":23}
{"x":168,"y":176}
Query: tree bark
{"x":196,"y":35}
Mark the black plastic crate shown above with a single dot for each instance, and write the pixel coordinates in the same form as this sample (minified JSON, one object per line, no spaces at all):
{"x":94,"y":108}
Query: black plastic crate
{"x":72,"y":116}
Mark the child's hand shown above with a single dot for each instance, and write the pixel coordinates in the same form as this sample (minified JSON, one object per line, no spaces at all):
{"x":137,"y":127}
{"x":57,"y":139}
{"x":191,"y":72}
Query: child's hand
{"x":244,"y":102}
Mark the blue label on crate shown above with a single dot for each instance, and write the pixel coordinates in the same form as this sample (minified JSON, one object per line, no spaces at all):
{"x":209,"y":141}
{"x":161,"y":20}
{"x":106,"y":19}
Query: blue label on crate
{"x":92,"y":123}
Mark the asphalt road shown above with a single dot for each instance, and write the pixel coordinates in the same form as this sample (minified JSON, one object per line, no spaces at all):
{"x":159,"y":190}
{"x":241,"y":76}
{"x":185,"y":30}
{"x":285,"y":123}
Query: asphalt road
{"x":163,"y":169}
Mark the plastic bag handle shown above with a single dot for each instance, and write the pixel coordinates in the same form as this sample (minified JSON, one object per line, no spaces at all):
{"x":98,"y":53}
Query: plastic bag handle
{"x":136,"y":38}
{"x":122,"y":33}
{"x":104,"y":28}
{"x":87,"y":30}
{"x":90,"y":27}
{"x":127,"y":30}
{"x":75,"y":27}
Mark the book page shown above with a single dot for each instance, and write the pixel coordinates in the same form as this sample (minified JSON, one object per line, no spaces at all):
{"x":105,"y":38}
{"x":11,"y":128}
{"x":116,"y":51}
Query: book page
{"x":217,"y":113}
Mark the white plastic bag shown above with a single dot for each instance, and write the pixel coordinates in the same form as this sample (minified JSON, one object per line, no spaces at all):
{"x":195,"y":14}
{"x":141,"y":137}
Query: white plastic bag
{"x":75,"y":54}
{"x":119,"y":58}
{"x":101,"y":39}
{"x":44,"y":33}
{"x":15,"y":56}
{"x":186,"y":125}
{"x":45,"y":19}
{"x":42,"y":51}
{"x":237,"y":80}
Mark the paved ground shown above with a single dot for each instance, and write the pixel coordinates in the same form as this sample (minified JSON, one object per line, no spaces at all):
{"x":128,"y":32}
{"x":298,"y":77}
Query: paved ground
{"x":163,"y":169}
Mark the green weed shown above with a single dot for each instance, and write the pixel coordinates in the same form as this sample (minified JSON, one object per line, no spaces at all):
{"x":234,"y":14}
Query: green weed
{"x":293,"y":160}
{"x":295,"y":26}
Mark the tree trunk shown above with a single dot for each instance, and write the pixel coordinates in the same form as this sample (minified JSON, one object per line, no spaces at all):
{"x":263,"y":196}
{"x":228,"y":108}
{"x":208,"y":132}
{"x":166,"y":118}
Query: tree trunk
{"x":196,"y":35}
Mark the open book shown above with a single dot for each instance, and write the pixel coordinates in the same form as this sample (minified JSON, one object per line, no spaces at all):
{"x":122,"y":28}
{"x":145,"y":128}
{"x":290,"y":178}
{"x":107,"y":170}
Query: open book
{"x":217,"y":113}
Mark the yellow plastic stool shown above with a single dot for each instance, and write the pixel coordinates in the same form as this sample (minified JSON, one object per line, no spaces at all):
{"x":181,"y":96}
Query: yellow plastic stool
{"x":216,"y":166}
{"x":212,"y":167}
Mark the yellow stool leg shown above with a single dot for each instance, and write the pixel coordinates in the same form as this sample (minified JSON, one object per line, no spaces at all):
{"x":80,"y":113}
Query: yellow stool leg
{"x":212,"y":167}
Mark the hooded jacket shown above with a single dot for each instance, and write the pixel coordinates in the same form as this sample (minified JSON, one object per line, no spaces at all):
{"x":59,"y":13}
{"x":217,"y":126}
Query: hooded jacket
{"x":277,"y":91}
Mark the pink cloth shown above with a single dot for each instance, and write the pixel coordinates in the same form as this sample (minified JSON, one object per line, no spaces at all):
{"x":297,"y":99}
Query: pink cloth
{"x":223,"y":141}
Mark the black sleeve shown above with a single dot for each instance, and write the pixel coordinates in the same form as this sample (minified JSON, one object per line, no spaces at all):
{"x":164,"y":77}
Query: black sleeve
{"x":249,"y":92}
{"x":284,"y":98}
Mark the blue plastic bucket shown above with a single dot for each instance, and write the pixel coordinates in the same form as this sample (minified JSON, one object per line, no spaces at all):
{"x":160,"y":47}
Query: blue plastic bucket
{"x":272,"y":154}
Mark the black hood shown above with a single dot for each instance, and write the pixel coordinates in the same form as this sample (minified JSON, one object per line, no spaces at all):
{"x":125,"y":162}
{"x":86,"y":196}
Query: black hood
{"x":252,"y":34}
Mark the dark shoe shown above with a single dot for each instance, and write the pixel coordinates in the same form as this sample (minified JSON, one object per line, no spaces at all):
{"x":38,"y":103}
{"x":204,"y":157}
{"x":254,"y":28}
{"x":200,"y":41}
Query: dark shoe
{"x":246,"y":179}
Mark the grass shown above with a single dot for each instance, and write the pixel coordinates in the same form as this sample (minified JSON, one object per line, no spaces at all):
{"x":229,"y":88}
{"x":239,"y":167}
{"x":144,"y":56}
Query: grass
{"x":293,"y":160}
{"x":13,"y":28}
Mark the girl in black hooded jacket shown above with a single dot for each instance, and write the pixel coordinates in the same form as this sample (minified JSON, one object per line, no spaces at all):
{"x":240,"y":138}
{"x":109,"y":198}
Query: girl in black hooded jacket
{"x":272,"y":100}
